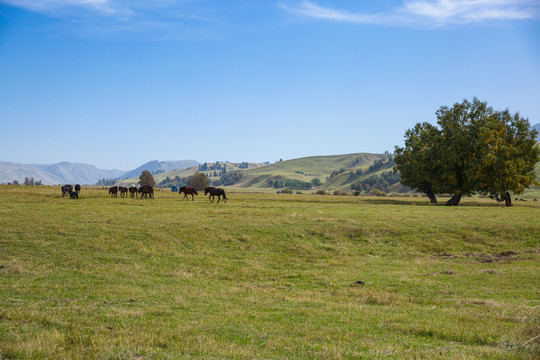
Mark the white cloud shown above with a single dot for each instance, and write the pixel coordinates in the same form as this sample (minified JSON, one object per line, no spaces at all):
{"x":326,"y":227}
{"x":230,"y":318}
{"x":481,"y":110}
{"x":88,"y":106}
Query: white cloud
{"x":456,"y":11}
{"x":428,"y":12}
{"x":60,"y":7}
{"x":312,"y":10}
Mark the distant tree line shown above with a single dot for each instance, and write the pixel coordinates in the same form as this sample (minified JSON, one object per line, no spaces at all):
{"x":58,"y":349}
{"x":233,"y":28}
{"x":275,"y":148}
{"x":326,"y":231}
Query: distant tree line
{"x":27,"y":182}
{"x":175,"y":181}
{"x":107,"y":182}
{"x":278,"y":182}
{"x":380,"y":182}
{"x":215,"y":166}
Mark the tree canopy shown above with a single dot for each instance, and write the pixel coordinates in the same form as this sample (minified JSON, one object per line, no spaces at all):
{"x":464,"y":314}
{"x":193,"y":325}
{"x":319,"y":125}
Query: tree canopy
{"x":146,"y":178}
{"x":198,"y":181}
{"x":474,"y":150}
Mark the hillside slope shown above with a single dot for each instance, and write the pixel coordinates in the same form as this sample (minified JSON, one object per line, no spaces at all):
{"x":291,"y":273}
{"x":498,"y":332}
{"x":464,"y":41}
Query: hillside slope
{"x":308,"y":168}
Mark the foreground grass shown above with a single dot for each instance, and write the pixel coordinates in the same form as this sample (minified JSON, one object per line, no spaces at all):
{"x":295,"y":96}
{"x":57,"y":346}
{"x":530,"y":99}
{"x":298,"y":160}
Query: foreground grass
{"x":265,"y":276}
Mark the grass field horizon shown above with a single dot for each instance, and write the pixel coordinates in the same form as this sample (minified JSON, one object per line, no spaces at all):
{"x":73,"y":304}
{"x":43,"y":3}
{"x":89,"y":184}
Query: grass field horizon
{"x":266,"y":276}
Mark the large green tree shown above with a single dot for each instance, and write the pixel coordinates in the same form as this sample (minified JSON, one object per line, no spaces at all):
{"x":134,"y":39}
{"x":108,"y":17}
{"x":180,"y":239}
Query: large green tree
{"x":458,"y":144}
{"x":146,"y":178}
{"x":476,"y":149}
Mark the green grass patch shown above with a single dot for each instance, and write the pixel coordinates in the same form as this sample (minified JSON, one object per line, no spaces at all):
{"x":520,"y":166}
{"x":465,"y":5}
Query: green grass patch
{"x":265,"y":276}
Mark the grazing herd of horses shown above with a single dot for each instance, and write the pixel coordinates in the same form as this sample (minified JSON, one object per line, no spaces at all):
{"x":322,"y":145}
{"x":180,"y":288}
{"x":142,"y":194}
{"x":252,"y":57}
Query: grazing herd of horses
{"x":147,"y":192}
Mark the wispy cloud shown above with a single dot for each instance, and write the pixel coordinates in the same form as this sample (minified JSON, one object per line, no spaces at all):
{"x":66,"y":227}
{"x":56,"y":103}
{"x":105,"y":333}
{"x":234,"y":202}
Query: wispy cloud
{"x":432,"y":13}
{"x":309,"y":9}
{"x":61,"y":7}
{"x":140,"y":19}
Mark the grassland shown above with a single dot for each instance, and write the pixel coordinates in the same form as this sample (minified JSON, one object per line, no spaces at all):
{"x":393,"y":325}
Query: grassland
{"x":266,"y":276}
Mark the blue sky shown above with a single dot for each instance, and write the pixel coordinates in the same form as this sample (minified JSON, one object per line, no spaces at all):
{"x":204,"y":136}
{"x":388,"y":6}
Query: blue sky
{"x":116,"y":83}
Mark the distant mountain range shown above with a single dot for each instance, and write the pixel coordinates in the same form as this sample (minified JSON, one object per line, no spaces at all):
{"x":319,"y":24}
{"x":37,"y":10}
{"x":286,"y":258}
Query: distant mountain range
{"x":75,"y":173}
{"x":156,"y":166}
{"x":53,"y":174}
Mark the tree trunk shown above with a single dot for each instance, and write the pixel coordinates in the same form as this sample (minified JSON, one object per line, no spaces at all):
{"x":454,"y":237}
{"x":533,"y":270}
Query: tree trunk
{"x":507,"y":199}
{"x":454,"y":201}
{"x":429,"y":192}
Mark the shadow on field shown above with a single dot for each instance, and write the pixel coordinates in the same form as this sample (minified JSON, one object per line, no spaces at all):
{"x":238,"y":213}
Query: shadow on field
{"x":441,"y":202}
{"x":394,"y":201}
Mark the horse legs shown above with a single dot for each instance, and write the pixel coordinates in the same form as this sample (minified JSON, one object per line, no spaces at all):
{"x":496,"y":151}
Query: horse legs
{"x":218,"y":198}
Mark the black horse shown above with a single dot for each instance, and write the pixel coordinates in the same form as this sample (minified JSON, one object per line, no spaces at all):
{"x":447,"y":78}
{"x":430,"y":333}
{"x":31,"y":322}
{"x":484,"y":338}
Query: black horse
{"x":66,"y":189}
{"x":215,"y":192}
{"x":78,"y":188}
{"x":187,"y":190}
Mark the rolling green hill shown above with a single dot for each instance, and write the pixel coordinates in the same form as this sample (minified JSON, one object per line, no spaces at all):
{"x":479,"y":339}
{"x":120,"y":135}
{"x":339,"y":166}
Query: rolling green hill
{"x":306,"y":169}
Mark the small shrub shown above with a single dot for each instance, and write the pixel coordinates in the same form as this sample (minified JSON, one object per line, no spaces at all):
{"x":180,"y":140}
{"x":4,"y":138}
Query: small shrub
{"x":337,"y":192}
{"x":377,"y":192}
{"x":320,"y":192}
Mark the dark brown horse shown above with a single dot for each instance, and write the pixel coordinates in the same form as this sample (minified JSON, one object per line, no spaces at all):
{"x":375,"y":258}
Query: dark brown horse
{"x":134,"y":192}
{"x":187,"y":190}
{"x":215,"y":192}
{"x":146,"y":191}
{"x":123,"y":191}
{"x":113,"y":191}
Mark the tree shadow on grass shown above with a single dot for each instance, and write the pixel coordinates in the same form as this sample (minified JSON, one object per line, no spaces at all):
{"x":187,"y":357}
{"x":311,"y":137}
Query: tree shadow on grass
{"x":441,"y":202}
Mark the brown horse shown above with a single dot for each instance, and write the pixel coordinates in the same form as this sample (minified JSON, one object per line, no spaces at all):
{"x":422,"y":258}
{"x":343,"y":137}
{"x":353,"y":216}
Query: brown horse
{"x":134,"y":192}
{"x":123,"y":191}
{"x":113,"y":191}
{"x":146,"y":191}
{"x":215,"y":192}
{"x":187,"y":190}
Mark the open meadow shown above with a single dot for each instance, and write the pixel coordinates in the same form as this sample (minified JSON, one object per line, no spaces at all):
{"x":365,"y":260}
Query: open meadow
{"x":266,"y":276}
